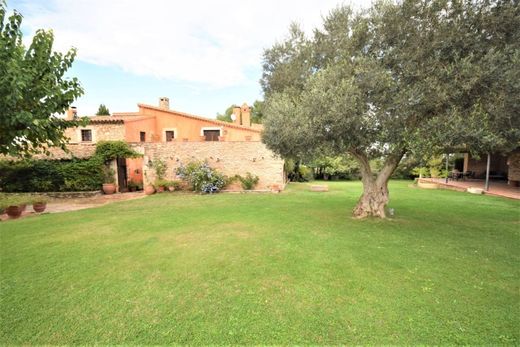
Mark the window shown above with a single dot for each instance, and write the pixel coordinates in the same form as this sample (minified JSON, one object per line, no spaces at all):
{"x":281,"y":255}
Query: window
{"x":170,"y":135}
{"x":86,"y":135}
{"x":142,"y":136}
{"x":211,"y":135}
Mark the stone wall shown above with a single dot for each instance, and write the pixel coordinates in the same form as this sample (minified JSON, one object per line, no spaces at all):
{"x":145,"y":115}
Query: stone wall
{"x":230,"y":158}
{"x":76,"y":150}
{"x":100,"y":132}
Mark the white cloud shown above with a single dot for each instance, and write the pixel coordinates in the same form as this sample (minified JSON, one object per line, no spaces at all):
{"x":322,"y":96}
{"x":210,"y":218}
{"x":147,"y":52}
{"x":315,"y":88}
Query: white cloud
{"x":209,"y":42}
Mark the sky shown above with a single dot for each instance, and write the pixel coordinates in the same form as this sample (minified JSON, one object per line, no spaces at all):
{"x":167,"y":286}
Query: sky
{"x":203,"y":55}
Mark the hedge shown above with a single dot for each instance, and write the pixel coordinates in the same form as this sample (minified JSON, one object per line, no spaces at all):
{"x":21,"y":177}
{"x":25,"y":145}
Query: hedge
{"x":51,"y":175}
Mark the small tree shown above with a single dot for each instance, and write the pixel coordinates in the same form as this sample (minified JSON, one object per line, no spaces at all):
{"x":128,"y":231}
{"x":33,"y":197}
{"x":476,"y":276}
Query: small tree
{"x":33,"y":90}
{"x":103,"y":111}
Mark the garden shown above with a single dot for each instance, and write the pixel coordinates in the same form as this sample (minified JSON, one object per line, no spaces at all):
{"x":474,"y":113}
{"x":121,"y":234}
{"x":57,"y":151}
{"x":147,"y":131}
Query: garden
{"x":289,"y":268}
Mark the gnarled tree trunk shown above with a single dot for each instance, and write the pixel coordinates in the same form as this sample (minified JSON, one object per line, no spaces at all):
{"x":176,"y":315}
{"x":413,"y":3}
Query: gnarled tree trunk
{"x":374,"y":199}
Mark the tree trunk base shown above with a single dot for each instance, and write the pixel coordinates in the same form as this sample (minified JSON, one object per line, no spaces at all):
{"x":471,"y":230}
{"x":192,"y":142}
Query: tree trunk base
{"x":372,"y":204}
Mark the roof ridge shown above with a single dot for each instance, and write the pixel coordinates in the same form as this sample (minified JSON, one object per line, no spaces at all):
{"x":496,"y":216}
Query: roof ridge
{"x":189,"y":115}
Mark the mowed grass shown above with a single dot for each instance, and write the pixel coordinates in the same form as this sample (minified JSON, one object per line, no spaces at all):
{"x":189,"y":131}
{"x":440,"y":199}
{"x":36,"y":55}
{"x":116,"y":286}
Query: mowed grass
{"x":291,"y":268}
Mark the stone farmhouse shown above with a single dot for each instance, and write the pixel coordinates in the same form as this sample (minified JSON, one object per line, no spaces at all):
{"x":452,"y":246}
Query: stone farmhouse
{"x":178,"y":138}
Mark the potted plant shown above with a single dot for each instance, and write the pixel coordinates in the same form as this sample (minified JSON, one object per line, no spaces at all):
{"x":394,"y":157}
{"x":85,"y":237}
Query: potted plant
{"x":109,"y":186}
{"x":149,"y":189}
{"x":14,"y":206}
{"x":132,"y":186}
{"x":161,"y":184}
{"x":39,"y":204}
{"x":160,"y":170}
{"x":174,"y":185}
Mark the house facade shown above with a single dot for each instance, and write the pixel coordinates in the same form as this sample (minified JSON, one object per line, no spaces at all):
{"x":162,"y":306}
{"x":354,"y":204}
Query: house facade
{"x":177,"y":138}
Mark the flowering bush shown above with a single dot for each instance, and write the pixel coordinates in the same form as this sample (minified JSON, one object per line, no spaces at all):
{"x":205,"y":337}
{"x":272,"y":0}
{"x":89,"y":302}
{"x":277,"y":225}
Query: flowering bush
{"x":202,"y":177}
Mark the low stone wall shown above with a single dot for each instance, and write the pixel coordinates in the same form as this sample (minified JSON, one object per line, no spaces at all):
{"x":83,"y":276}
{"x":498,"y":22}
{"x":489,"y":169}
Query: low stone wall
{"x":230,"y":158}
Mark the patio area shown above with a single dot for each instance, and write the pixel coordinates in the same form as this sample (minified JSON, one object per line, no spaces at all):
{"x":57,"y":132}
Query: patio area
{"x":498,"y":188}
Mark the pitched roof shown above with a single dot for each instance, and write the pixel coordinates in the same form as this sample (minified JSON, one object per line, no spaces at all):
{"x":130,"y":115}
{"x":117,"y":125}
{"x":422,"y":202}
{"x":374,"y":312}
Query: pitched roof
{"x":116,"y":119}
{"x":209,"y":120}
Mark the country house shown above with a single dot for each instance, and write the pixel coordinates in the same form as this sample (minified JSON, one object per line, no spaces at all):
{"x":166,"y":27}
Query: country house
{"x":177,"y":138}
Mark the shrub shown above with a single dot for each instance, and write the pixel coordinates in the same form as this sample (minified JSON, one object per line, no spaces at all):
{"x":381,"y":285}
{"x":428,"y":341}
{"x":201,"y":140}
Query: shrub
{"x":202,"y":178}
{"x":110,"y":150}
{"x":108,"y":175}
{"x":39,"y":199}
{"x":161,"y":183}
{"x":306,"y":173}
{"x":248,"y":182}
{"x":160,"y":168}
{"x":51,"y":175}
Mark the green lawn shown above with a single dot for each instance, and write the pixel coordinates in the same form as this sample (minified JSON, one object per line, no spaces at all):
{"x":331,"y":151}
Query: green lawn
{"x":291,"y":268}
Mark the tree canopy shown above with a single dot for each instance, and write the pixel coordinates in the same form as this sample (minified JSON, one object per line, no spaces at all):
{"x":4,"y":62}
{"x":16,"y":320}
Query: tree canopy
{"x":33,"y":89}
{"x":103,"y":111}
{"x":409,"y":77}
{"x":256,"y":113}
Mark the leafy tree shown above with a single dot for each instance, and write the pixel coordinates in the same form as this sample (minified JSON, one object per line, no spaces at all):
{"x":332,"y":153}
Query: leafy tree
{"x":103,"y":111}
{"x":410,"y":77}
{"x":226,"y":116}
{"x":32,"y":89}
{"x":256,"y":113}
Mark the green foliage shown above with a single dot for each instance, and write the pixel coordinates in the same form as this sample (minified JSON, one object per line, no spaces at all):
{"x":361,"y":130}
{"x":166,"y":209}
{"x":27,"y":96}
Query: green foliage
{"x":249,"y":181}
{"x":435,"y":168}
{"x":103,"y":111}
{"x":256,"y":113}
{"x":134,"y":185}
{"x":305,"y":173}
{"x":161,"y":183}
{"x":160,"y":168}
{"x":7,"y":200}
{"x":51,"y":175}
{"x":39,"y":199}
{"x":226,"y":116}
{"x":401,"y":77}
{"x":202,"y":178}
{"x":110,"y":150}
{"x":33,"y":88}
{"x":108,"y":175}
{"x":344,"y":167}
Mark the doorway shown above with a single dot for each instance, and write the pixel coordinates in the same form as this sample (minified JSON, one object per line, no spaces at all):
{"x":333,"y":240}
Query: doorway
{"x":122,"y":179}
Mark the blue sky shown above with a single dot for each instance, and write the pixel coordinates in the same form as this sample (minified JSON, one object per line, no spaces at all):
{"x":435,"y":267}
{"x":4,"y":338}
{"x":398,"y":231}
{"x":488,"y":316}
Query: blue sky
{"x":203,"y":55}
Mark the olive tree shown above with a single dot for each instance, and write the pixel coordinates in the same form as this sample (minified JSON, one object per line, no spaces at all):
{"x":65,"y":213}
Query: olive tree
{"x":396,"y":79}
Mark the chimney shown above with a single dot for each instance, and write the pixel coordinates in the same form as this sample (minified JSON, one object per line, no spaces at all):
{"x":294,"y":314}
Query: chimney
{"x":72,"y":113}
{"x":246,"y":115}
{"x":164,"y":102}
{"x":236,"y":113}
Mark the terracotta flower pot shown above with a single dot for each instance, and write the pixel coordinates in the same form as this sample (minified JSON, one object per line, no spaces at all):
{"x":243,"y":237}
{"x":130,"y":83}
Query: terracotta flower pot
{"x":160,"y":189}
{"x":149,"y":190}
{"x":171,"y":188}
{"x":14,"y":211}
{"x":39,"y":206}
{"x":109,"y":188}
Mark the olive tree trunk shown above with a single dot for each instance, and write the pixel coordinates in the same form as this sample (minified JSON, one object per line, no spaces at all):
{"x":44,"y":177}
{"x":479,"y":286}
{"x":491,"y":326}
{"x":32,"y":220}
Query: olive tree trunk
{"x":375,"y":197}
